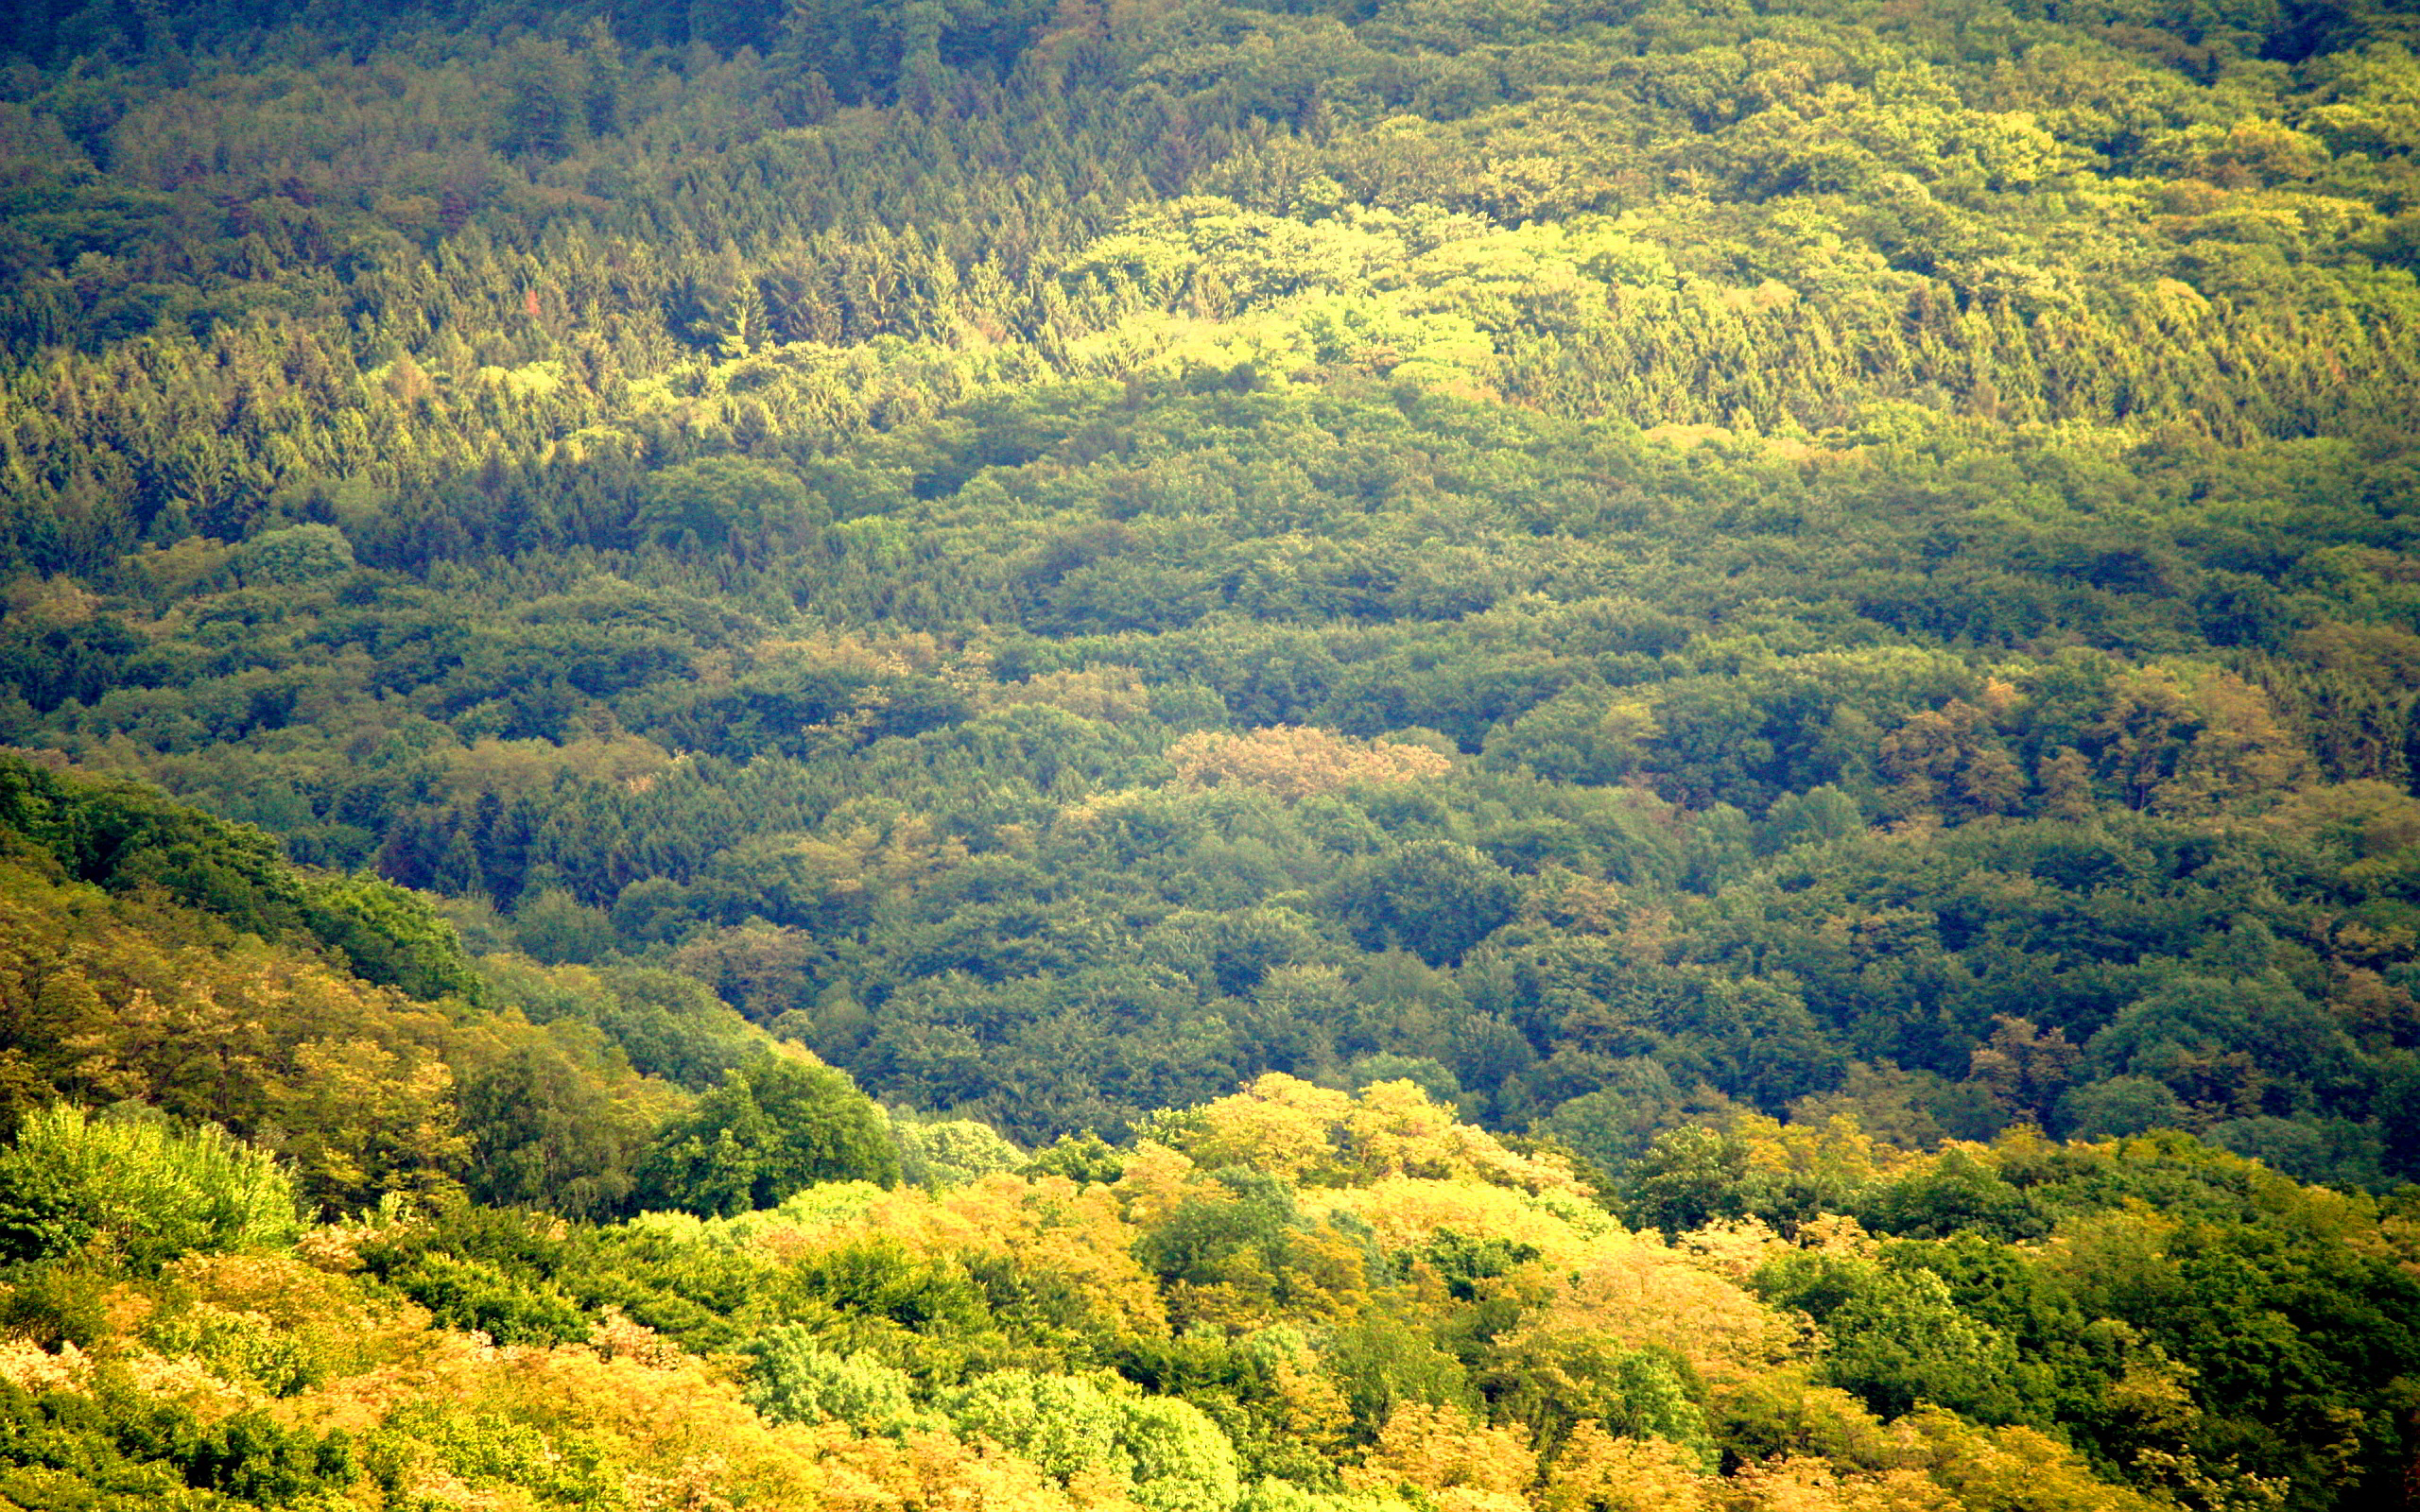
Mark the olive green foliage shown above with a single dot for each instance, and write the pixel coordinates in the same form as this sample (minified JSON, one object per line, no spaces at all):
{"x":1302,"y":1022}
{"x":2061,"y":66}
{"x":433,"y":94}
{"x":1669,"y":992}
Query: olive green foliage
{"x":544,"y":1133}
{"x":125,"y":839}
{"x":2251,"y":1334}
{"x":296,"y":553}
{"x":1688,"y":1178}
{"x":2124,"y":1310}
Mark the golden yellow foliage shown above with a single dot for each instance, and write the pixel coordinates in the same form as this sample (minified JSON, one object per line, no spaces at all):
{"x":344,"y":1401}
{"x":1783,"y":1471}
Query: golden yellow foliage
{"x":1636,"y":1292}
{"x":1394,"y":1129}
{"x":1835,"y":1149}
{"x":190,"y":1383}
{"x":2112,"y":1248}
{"x":1315,"y":1136}
{"x":934,"y":1472}
{"x":1109,"y":694}
{"x":355,"y":1075}
{"x":363,"y":1120}
{"x":1406,"y":1213}
{"x":660,"y":1419}
{"x":1317,"y":1279}
{"x":1835,"y":1454}
{"x":1804,"y":1485}
{"x":181,"y":1041}
{"x":1306,"y":1407}
{"x":526,"y":768}
{"x":889,"y":654}
{"x":1281,"y":1126}
{"x":1295,"y":762}
{"x":416,"y":1363}
{"x":1799,"y":1420}
{"x":1836,"y":1233}
{"x":1046,"y":1227}
{"x":669,"y":1434}
{"x":1949,"y":760}
{"x":140,"y":1000}
{"x":615,"y":1336}
{"x":2019,"y":1469}
{"x":1599,"y":1471}
{"x":1154,"y":1183}
{"x":305,"y":1308}
{"x":205,"y":1031}
{"x":1732,"y":1248}
{"x":1462,"y":1465}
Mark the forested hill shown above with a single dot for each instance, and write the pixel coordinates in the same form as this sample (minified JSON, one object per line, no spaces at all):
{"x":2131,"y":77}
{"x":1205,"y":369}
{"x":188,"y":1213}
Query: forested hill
{"x":1633,"y":565}
{"x":295,"y":1264}
{"x":1150,"y":756}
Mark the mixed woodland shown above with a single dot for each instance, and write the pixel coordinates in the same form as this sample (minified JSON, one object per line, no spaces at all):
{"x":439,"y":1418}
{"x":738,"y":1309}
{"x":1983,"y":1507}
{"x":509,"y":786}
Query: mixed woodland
{"x":1162,"y":756}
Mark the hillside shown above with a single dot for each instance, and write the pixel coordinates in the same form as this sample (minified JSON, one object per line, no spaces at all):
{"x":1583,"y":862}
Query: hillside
{"x":1794,"y":628}
{"x":1287,"y":1299}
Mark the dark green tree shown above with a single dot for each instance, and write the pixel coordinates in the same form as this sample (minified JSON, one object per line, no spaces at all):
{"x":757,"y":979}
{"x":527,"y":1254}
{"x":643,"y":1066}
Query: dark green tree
{"x":1433,"y":898}
{"x":775,"y":1126}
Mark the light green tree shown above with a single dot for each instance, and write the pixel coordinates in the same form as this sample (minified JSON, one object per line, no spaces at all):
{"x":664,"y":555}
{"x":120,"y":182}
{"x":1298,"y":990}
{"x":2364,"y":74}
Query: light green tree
{"x":137,"y":1192}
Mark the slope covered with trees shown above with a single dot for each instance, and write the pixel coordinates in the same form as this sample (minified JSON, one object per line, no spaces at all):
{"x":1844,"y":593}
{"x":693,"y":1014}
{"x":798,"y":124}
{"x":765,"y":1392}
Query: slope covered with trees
{"x":1290,"y":1297}
{"x":1074,"y":559}
{"x":1778,"y":609}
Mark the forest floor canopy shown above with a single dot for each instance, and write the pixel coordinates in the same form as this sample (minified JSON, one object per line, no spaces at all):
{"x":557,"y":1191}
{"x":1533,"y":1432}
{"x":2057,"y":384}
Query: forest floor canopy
{"x":1804,"y":618}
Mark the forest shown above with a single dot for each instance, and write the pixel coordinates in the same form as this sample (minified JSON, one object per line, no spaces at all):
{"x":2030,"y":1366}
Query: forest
{"x":1167,"y":756}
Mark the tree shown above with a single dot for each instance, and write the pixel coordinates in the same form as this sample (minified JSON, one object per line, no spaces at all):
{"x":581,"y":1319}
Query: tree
{"x":716,"y":500}
{"x":1950,"y":762}
{"x":391,"y":936}
{"x":545,"y":1134}
{"x":793,"y":1380}
{"x":556,"y":928}
{"x":1296,"y":763}
{"x":1956,"y":1194}
{"x":2231,"y":1044}
{"x":544,"y":114}
{"x":361,"y":1121}
{"x":136,"y":1193}
{"x":298,"y":554}
{"x":1688,"y":1178}
{"x":1433,"y":898}
{"x":775,"y":1127}
{"x":1896,"y":1339}
{"x":1170,"y":1454}
{"x":2117,"y":1107}
{"x":949,"y":1152}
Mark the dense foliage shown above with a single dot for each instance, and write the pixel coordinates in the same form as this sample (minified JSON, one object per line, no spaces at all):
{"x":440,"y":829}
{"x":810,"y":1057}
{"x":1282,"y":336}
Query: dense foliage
{"x":1798,"y":621}
{"x":1384,"y":1310}
{"x":1626,"y":564}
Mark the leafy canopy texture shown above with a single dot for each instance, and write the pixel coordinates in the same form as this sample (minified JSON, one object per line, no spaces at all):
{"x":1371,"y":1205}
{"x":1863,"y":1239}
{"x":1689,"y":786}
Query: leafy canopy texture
{"x":138,"y":1193}
{"x":776,"y":1126}
{"x":1717,"y":618}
